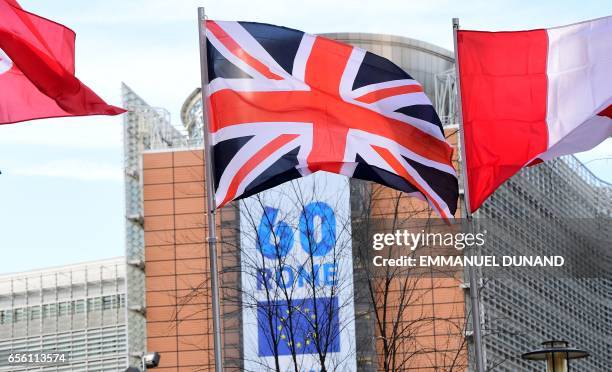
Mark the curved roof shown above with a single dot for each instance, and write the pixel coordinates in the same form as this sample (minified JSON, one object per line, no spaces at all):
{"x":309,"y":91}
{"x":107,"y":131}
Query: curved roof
{"x":193,"y":98}
{"x":393,"y":40}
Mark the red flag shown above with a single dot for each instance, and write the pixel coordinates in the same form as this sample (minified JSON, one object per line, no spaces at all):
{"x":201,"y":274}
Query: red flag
{"x":37,"y":70}
{"x":532,"y":96}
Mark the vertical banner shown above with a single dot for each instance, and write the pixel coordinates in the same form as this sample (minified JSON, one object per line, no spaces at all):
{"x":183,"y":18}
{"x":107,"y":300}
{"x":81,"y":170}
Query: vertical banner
{"x":297,"y":276}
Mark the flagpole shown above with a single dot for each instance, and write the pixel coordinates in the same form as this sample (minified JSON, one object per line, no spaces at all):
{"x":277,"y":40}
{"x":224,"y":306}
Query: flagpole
{"x":210,"y":197}
{"x":474,"y":297}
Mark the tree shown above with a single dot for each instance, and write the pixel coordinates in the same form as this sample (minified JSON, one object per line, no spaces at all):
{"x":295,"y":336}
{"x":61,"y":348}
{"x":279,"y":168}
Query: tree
{"x":400,"y":299}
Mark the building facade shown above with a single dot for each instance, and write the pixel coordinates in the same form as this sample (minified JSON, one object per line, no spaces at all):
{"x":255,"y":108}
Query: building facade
{"x":76,"y":309}
{"x":550,"y":209}
{"x":167,"y":250}
{"x":145,"y":127}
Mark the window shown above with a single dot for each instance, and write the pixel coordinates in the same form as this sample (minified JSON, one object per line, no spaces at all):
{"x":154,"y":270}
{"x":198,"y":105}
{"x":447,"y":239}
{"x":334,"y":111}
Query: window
{"x":64,"y":308}
{"x":6,"y":316}
{"x":107,"y":302}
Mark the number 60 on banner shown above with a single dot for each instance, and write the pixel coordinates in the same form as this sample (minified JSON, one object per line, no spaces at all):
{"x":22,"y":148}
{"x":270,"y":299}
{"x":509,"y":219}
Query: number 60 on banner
{"x":276,"y":239}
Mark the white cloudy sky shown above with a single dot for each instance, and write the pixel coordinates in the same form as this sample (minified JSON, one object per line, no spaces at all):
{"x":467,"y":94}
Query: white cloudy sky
{"x":61,"y":191}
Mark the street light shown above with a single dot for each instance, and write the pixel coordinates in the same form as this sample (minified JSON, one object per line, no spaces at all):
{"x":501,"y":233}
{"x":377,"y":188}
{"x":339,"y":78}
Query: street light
{"x":557,"y":355}
{"x":148,"y":360}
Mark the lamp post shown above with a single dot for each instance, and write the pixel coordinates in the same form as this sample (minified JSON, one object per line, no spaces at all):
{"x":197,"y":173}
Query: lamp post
{"x":150,"y":360}
{"x":147,"y":360}
{"x":557,"y":355}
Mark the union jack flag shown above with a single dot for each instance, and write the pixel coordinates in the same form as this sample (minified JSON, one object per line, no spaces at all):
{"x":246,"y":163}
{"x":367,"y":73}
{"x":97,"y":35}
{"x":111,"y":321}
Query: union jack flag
{"x":283,"y":104}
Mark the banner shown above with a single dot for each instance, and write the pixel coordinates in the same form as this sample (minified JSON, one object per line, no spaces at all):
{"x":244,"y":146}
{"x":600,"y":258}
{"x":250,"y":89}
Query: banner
{"x":297,"y":276}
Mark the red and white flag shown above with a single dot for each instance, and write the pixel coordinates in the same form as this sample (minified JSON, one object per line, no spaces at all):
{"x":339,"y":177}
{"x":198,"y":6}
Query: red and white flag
{"x":37,"y":70}
{"x":531,"y":96}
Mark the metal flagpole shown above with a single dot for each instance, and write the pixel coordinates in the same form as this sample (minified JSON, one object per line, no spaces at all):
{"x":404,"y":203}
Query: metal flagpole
{"x":210,"y":197}
{"x":474,"y":298}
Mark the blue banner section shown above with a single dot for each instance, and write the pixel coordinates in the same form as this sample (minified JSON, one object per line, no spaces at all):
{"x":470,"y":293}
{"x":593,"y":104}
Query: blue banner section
{"x":301,"y":325}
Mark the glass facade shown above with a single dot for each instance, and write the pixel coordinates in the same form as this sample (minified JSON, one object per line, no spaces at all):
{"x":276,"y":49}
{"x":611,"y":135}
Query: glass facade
{"x":551,"y":205}
{"x":78,"y":310}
